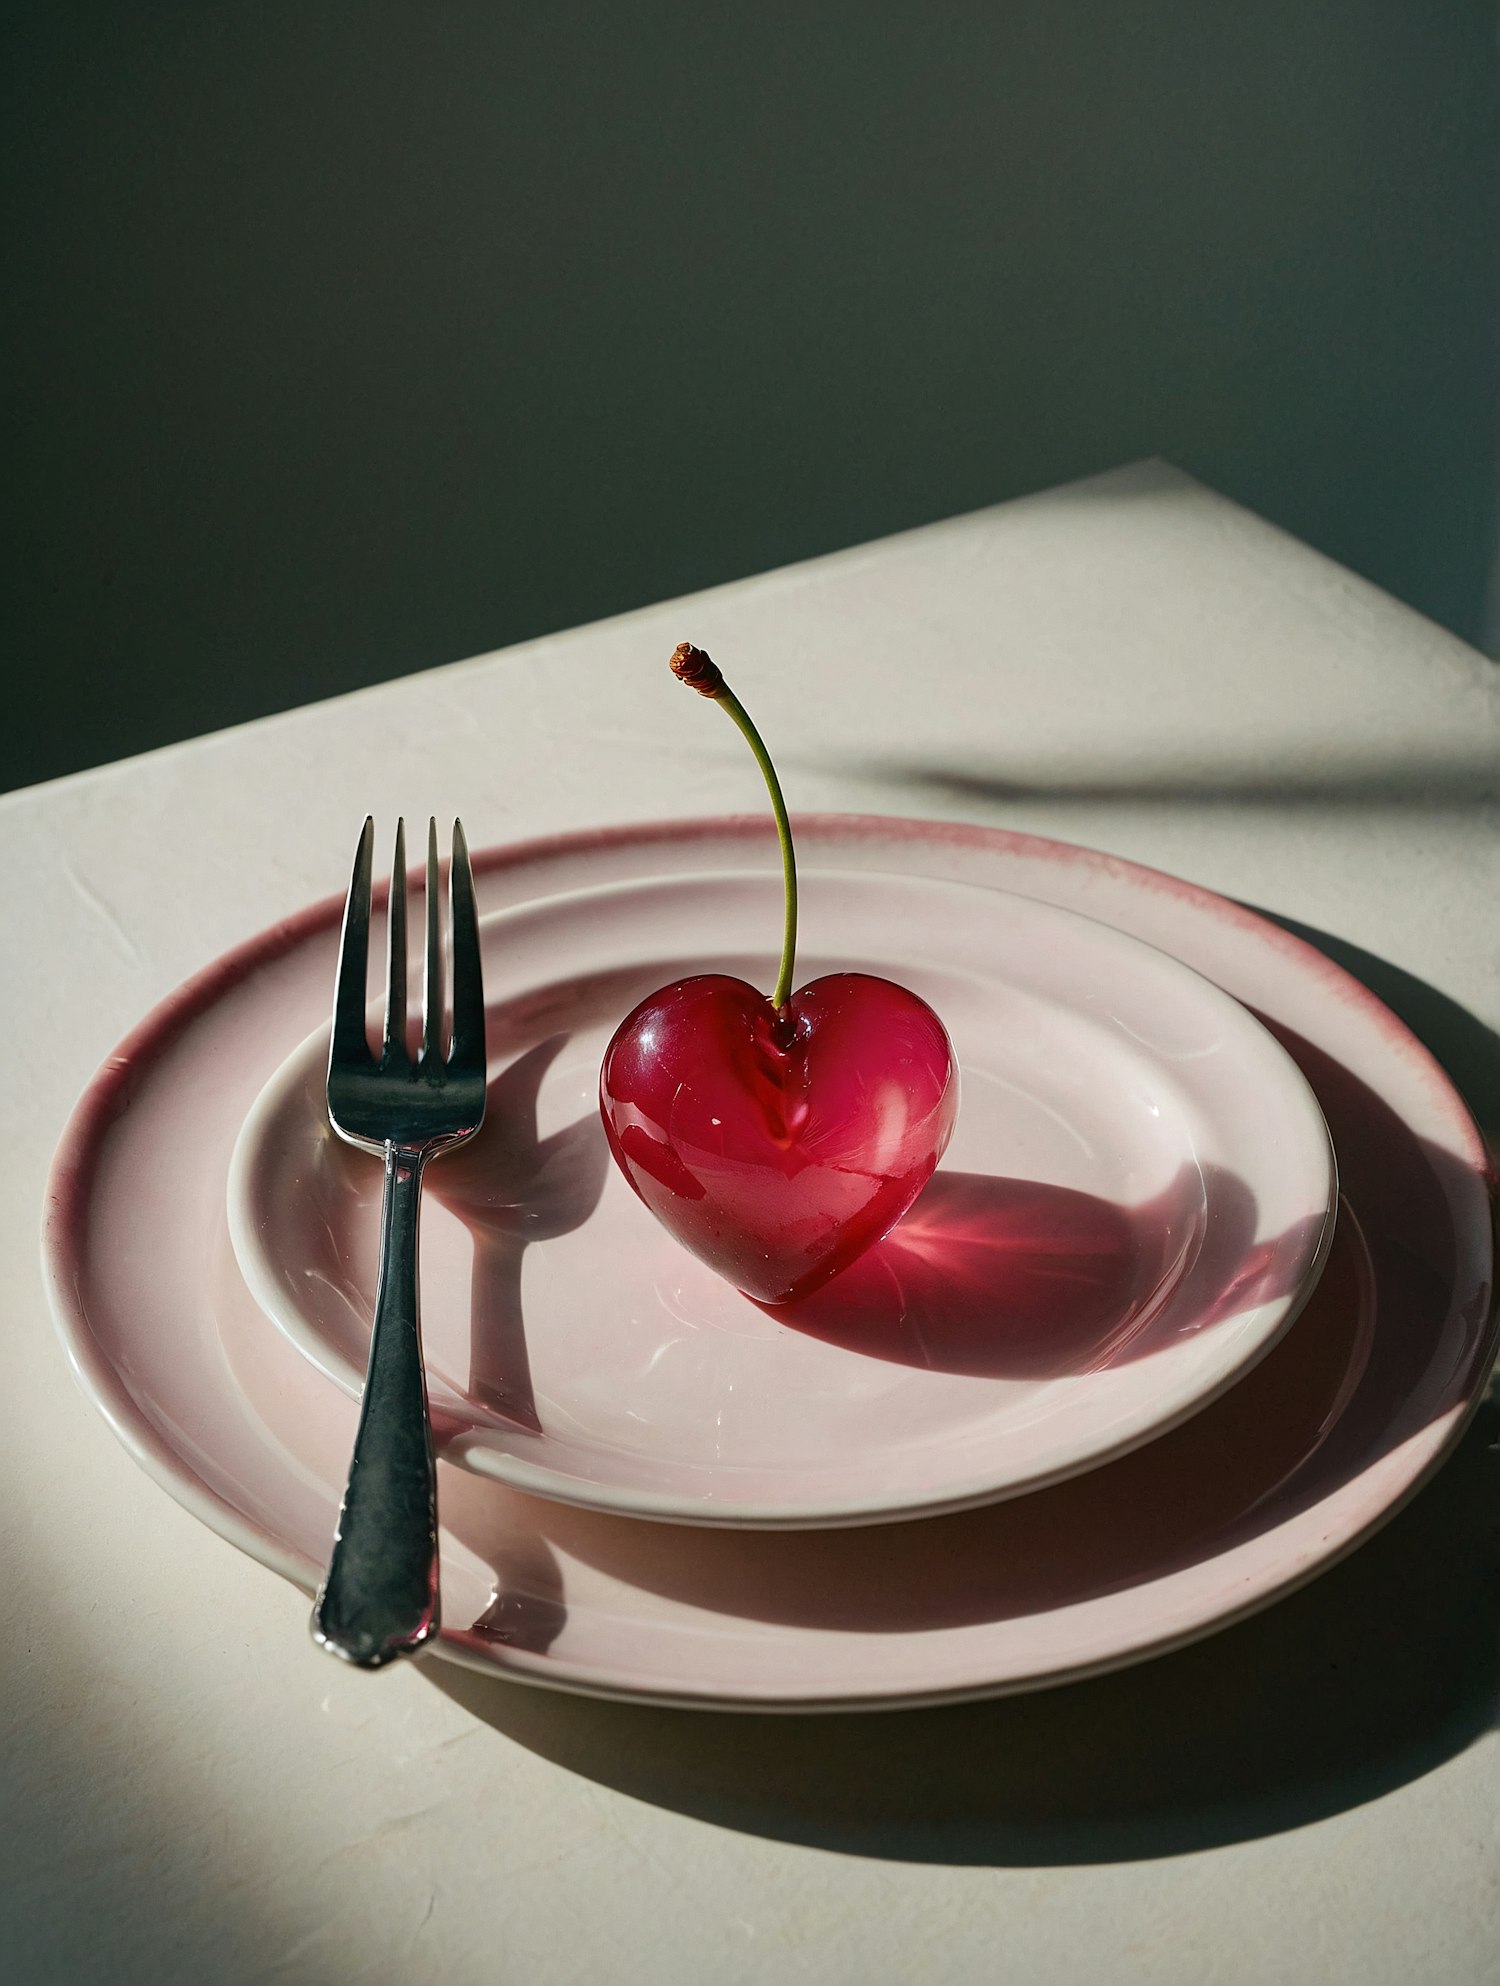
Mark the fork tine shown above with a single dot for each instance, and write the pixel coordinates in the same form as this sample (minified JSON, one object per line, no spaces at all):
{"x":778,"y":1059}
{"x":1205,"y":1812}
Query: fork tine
{"x":432,"y":982}
{"x":350,"y":1043}
{"x":467,"y":1051}
{"x":395,"y":988}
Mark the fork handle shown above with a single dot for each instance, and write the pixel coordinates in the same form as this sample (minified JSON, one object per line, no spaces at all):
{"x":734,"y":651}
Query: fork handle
{"x":380,"y":1597}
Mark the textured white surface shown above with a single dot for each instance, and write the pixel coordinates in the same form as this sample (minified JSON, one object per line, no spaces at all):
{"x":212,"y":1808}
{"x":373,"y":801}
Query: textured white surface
{"x":189,"y":1791}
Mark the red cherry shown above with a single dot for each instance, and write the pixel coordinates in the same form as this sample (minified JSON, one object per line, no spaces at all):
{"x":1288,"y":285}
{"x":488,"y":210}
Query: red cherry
{"x":777,"y":1139}
{"x":778,"y":1145}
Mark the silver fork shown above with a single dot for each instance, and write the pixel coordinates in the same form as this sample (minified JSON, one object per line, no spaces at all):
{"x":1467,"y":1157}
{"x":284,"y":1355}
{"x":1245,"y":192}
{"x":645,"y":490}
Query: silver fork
{"x":380,"y":1597}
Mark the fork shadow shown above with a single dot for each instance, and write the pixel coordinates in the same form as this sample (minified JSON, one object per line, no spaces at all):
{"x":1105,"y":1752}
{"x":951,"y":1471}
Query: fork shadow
{"x":510,"y":1188}
{"x":1376,"y":1673}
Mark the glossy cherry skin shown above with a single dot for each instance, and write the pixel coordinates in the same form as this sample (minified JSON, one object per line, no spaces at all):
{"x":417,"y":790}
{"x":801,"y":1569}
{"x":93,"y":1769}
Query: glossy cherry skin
{"x":779,"y":1147}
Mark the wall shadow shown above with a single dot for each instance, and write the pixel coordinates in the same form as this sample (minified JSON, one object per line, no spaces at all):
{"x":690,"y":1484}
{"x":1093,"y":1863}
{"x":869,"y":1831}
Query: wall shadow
{"x":1415,"y":782}
{"x":342,"y":343}
{"x":147,"y":1873}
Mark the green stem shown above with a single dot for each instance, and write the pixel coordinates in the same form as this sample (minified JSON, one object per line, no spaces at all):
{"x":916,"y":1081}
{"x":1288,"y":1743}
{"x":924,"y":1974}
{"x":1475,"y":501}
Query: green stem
{"x":741,"y":716}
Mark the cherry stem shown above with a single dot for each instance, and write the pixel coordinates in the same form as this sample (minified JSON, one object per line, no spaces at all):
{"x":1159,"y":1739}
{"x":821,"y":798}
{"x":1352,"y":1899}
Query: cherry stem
{"x":735,"y":709}
{"x":690,"y":665}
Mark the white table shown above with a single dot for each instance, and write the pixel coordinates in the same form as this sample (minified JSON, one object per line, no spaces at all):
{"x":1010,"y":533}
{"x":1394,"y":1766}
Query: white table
{"x":191,"y":1792}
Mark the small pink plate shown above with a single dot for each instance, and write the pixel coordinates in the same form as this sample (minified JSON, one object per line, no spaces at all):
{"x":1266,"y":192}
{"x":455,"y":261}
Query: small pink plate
{"x":1285,"y":1472}
{"x":1136,"y":1203}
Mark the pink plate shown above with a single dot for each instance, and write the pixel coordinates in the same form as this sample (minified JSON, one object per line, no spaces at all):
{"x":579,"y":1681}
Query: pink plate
{"x":1328,"y":1434}
{"x":1136,"y":1203}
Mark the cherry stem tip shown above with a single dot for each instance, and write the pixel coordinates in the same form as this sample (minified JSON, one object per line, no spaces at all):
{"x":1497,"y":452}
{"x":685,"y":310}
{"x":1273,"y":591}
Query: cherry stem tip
{"x":698,"y":670}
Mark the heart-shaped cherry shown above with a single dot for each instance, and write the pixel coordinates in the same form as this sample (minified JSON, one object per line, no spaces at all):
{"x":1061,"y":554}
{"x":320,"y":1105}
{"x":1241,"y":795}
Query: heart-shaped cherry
{"x":777,"y":1139}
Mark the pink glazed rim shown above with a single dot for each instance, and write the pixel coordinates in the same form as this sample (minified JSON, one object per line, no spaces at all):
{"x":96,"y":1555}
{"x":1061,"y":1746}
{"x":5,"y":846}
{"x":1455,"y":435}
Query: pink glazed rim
{"x":108,"y":1093}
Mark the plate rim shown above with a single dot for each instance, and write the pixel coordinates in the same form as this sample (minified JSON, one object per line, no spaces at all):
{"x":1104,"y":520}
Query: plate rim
{"x":106,"y":1094}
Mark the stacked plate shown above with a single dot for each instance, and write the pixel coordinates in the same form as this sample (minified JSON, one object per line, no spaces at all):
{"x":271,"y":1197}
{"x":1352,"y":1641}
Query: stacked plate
{"x":1200,"y":1294}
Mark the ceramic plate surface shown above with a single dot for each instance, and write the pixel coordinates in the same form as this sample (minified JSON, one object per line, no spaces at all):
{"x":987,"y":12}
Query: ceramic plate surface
{"x":1323,"y":1439}
{"x":1137,"y":1200}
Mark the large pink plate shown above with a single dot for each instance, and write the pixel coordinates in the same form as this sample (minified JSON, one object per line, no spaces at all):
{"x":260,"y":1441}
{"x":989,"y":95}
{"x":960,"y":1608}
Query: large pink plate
{"x":1328,"y":1435}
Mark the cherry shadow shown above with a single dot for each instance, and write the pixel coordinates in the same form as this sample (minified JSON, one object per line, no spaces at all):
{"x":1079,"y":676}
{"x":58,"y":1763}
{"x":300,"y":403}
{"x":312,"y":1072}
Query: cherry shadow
{"x":1018,"y":1279}
{"x":1377,"y":1671}
{"x":1330,"y":1395}
{"x":1094,"y":1534}
{"x":511,"y":1187}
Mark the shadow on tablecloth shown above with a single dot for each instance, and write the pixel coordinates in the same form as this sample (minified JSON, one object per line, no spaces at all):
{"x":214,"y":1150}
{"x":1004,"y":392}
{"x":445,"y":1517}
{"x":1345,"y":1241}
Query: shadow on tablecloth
{"x":1381,"y":1670}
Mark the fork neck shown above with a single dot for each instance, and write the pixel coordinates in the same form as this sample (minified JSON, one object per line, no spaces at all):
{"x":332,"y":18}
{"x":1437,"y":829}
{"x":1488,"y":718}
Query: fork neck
{"x":399,"y":1233}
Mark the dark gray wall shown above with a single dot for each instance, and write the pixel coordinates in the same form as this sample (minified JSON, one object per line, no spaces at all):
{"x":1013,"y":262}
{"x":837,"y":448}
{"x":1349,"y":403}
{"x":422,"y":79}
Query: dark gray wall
{"x":342,"y":340}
